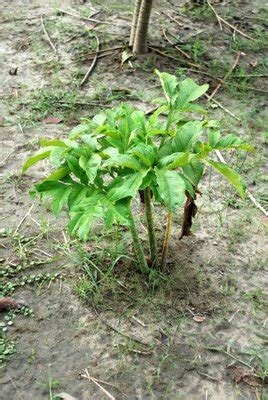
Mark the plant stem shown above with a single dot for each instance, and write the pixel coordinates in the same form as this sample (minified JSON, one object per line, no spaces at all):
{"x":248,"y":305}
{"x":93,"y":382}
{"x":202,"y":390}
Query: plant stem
{"x":137,"y":245}
{"x":150,"y":226}
{"x":166,"y":242}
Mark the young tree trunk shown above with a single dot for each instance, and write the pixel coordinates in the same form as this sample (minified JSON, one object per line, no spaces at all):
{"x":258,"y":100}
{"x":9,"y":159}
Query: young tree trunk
{"x":135,"y":18}
{"x":140,"y":41}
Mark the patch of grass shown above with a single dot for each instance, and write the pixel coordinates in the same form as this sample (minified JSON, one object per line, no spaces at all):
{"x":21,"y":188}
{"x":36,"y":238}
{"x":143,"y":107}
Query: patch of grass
{"x":256,"y":296}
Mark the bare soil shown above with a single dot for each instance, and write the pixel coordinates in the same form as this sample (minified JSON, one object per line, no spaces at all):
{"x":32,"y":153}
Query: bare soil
{"x":218,"y":273}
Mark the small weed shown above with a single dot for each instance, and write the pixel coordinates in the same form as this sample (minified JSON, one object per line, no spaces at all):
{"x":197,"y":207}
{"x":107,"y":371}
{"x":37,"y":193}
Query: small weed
{"x":256,"y":296}
{"x":50,"y":386}
{"x":7,"y":348}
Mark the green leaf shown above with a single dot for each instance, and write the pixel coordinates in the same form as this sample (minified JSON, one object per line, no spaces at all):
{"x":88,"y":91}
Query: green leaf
{"x":145,"y":153}
{"x":172,"y":188}
{"x":59,"y":174}
{"x":40,"y":155}
{"x":168,"y":82}
{"x":86,"y":220}
{"x":174,"y":160}
{"x":79,"y":130}
{"x":233,"y":142}
{"x":54,"y":142}
{"x":185,"y":135}
{"x":189,"y":91}
{"x":126,"y":187}
{"x":73,"y":164}
{"x":78,"y":193}
{"x":58,"y":191}
{"x":213,"y":137}
{"x":233,"y":177}
{"x":123,"y":160}
{"x":57,"y":156}
{"x":90,"y":166}
{"x":193,"y":171}
{"x":117,"y":213}
{"x":99,"y":119}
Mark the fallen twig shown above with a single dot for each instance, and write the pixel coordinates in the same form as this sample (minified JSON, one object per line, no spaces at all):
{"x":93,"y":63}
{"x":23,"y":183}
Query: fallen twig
{"x":84,"y":80}
{"x":232,"y":317}
{"x":208,"y":376}
{"x":90,"y":378}
{"x":23,"y":219}
{"x":250,"y":196}
{"x":93,"y":53}
{"x":220,"y":19}
{"x":172,"y":57}
{"x":84,"y":18}
{"x":224,"y":108}
{"x":226,"y":76}
{"x":104,"y":382}
{"x":172,"y":18}
{"x":227,"y":353}
{"x":176,"y":47}
{"x":216,"y":14}
{"x":47,"y":36}
{"x":2,"y":163}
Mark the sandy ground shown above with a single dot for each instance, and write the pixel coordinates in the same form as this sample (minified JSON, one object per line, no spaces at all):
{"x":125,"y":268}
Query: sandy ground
{"x":219,"y":273}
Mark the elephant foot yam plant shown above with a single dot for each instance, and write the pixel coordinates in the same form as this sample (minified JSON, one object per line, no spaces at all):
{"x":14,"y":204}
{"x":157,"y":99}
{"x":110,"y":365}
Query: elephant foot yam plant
{"x":123,"y":154}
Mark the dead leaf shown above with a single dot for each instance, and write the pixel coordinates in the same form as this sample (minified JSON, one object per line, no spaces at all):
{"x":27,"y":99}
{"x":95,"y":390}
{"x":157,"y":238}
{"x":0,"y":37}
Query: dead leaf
{"x":52,"y":120}
{"x":190,"y":210}
{"x":199,"y":319}
{"x":254,"y":63}
{"x":246,"y":376}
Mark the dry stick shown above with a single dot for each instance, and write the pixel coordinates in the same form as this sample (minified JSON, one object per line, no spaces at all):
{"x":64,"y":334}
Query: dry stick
{"x":84,"y":18}
{"x":90,"y":378}
{"x":216,"y":14}
{"x":6,"y":158}
{"x":106,"y":383}
{"x":176,"y":47}
{"x":47,"y":36}
{"x":23,"y":219}
{"x":220,"y":19}
{"x":15,"y":386}
{"x":172,"y":18}
{"x":226,"y":76}
{"x":84,"y":80}
{"x":224,"y":108}
{"x":172,"y":58}
{"x":208,"y":376}
{"x":250,"y":196}
{"x":93,"y":53}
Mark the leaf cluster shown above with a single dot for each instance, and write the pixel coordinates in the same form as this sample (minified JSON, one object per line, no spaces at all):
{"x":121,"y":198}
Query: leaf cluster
{"x":108,"y":159}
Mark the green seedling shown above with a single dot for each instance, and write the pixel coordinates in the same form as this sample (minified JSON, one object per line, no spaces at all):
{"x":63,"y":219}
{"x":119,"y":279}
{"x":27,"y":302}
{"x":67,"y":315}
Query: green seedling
{"x":124,"y":154}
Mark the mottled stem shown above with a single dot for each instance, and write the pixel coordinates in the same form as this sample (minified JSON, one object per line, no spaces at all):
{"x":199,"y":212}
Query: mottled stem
{"x":150,"y":227}
{"x":166,"y":242}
